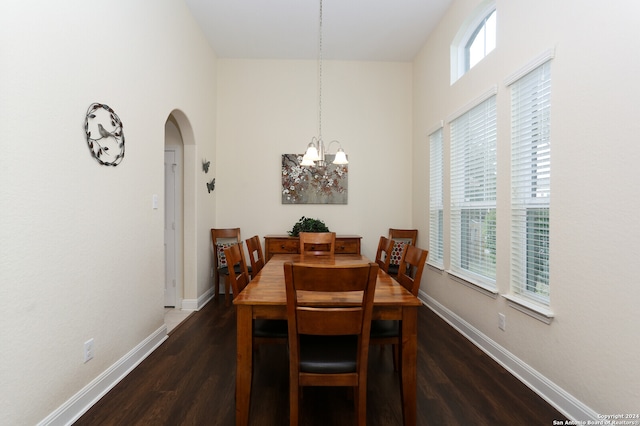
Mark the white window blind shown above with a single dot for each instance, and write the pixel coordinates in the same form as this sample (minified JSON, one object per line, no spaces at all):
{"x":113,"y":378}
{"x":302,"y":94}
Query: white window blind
{"x":530,"y":180}
{"x":436,"y":190}
{"x":473,"y":194}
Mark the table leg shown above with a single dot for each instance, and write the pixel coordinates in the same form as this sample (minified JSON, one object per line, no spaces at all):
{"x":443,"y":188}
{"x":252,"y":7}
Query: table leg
{"x":408,"y":366}
{"x":244,"y":351}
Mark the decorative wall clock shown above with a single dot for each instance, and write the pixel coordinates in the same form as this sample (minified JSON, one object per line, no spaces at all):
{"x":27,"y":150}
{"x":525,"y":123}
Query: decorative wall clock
{"x":104,"y":133}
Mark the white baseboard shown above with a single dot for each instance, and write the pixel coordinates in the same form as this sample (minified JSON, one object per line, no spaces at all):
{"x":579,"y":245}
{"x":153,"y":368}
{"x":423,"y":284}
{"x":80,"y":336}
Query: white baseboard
{"x":197,"y":304}
{"x":78,"y":404}
{"x":557,"y":397}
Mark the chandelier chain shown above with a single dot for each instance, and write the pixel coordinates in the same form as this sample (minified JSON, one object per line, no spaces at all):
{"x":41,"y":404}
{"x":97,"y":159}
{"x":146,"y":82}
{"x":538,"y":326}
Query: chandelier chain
{"x":320,"y":76}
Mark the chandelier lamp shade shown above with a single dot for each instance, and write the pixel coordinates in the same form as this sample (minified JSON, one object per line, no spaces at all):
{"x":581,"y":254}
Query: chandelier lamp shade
{"x":315,"y":155}
{"x":316,"y":151}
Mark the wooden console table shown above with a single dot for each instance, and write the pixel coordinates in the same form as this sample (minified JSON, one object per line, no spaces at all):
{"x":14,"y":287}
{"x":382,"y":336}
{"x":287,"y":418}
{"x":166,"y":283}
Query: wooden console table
{"x":284,"y":244}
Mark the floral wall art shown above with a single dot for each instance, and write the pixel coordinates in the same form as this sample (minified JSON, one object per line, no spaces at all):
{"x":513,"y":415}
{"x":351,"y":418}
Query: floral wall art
{"x":313,"y":184}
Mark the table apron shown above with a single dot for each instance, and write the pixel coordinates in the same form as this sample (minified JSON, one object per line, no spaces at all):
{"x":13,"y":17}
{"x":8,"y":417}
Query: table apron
{"x":270,"y":311}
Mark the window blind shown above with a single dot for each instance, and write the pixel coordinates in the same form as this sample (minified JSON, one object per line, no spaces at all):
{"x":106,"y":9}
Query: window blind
{"x":530,"y":180}
{"x":473,"y":194}
{"x":436,"y":190}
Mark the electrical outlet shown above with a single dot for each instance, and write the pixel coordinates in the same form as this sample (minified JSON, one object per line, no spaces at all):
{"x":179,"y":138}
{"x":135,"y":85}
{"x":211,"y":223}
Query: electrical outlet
{"x":502,"y":321}
{"x":88,"y":350}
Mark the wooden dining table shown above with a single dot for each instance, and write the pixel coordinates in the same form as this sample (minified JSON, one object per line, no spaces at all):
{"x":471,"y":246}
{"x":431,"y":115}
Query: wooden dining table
{"x":265,"y":297}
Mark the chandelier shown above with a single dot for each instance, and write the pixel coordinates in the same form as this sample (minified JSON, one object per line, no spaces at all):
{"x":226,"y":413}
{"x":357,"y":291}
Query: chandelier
{"x":316,"y":152}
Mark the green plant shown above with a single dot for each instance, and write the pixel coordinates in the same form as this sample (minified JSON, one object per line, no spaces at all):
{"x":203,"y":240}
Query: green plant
{"x":306,"y":224}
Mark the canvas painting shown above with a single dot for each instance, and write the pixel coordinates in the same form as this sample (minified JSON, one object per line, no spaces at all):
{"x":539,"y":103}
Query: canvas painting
{"x":313,"y":184}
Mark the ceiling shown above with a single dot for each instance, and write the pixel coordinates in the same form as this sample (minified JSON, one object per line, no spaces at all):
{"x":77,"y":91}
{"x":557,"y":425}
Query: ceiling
{"x":361,"y":30}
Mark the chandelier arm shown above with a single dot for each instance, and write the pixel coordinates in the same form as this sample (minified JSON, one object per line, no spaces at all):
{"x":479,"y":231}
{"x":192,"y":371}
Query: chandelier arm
{"x":331,"y":143}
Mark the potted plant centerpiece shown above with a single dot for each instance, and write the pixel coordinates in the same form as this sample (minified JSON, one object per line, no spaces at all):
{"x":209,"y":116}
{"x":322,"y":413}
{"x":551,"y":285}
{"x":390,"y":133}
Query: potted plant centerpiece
{"x":306,"y":224}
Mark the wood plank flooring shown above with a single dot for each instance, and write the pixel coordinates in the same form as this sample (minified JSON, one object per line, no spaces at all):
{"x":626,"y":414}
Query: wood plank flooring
{"x":190,"y":380}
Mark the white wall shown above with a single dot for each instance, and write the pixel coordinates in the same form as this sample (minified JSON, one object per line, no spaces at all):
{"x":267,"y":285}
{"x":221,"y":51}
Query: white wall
{"x":269,"y":108}
{"x":591,"y":348}
{"x":82,"y":250}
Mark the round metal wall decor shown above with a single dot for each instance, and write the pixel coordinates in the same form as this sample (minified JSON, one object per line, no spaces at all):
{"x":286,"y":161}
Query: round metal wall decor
{"x":104,"y":133}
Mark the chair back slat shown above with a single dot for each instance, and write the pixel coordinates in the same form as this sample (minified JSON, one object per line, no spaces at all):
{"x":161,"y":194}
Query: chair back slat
{"x":341,"y":322}
{"x":317,"y":243}
{"x":405,"y":235}
{"x":329,"y":278}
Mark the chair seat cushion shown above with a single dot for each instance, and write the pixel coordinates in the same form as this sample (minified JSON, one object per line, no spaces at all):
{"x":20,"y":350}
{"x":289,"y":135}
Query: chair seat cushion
{"x":328,"y":354}
{"x":270,"y":328}
{"x":393,"y":270}
{"x":225,"y":270}
{"x":385,"y":328}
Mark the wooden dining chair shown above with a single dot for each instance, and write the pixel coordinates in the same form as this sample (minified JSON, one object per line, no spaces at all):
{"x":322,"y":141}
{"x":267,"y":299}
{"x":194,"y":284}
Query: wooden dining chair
{"x":401,"y":237}
{"x":383,"y":254}
{"x":387,"y":332}
{"x":264,"y":330}
{"x":256,"y":258}
{"x":328,"y":345}
{"x":220,"y":239}
{"x":317,"y":243}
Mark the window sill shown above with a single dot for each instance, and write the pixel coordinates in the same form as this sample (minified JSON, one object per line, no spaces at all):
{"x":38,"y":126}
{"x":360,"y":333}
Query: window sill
{"x":482,"y":288}
{"x":538,"y":312}
{"x":436,"y":268}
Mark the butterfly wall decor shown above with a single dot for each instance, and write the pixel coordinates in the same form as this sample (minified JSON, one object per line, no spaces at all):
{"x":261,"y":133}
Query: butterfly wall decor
{"x":211,"y":185}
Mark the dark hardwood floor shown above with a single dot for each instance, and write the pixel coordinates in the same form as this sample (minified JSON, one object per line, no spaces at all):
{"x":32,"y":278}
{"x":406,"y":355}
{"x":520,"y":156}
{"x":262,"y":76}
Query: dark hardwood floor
{"x":190,"y":380}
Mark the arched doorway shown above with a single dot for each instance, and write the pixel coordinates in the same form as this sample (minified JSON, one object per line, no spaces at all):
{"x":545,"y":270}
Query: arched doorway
{"x":180,"y":208}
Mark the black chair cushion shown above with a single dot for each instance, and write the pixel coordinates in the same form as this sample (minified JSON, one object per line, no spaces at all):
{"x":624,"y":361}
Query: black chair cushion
{"x":225,"y":270}
{"x":270,"y":328}
{"x":393,"y":270}
{"x":385,"y":328}
{"x":328,"y":354}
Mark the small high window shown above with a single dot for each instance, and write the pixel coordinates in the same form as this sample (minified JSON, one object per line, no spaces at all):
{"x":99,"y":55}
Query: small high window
{"x":482,"y":42}
{"x":476,"y":38}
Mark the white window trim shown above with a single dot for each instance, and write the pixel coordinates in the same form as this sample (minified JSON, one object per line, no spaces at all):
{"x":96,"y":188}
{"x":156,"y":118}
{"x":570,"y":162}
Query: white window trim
{"x":474,"y":103}
{"x":538,"y":312}
{"x":473,"y":284}
{"x":546,"y":56}
{"x":435,"y":128}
